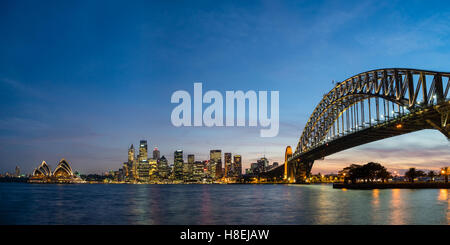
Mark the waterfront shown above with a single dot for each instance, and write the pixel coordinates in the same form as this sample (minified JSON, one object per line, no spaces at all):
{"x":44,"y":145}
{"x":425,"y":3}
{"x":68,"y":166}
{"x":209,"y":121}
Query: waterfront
{"x":218,"y":204}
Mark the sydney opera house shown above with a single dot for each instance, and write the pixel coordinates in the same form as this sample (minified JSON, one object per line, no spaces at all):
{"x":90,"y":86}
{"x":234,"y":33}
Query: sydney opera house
{"x":62,"y":174}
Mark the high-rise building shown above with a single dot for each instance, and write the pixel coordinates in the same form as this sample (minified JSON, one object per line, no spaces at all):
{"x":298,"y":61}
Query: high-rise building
{"x":143,"y":151}
{"x":237,"y":165}
{"x":188,"y":168}
{"x":178,"y":165}
{"x":131,"y":153}
{"x":156,"y":154}
{"x":130,"y":167}
{"x":143,"y":171}
{"x":17,"y":172}
{"x":215,"y":158}
{"x":163,"y":168}
{"x":198,"y":171}
{"x":191,"y":158}
{"x":153,"y":168}
{"x":228,"y":168}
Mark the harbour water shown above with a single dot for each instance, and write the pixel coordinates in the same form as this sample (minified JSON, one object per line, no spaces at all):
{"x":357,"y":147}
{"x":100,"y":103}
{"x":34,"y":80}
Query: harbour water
{"x":30,"y":204}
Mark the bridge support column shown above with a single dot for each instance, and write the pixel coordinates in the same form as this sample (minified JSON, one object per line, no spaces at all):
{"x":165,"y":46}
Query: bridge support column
{"x":299,"y":171}
{"x":444,"y":125}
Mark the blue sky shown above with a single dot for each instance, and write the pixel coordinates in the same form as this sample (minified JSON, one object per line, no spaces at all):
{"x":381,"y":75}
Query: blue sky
{"x":85,"y":79}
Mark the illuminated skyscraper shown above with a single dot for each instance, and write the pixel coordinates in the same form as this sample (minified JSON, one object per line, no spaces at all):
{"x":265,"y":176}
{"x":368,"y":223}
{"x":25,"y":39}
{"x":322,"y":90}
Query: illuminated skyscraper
{"x":178,"y":165}
{"x":188,"y":168}
{"x":17,"y":172}
{"x":131,"y":154}
{"x":237,"y":165}
{"x":215,"y":157}
{"x":143,"y":151}
{"x":228,"y":169}
{"x":130,"y":167}
{"x":198,"y":172}
{"x":156,"y":154}
{"x":143,"y":171}
{"x":191,"y":158}
{"x":163,"y":168}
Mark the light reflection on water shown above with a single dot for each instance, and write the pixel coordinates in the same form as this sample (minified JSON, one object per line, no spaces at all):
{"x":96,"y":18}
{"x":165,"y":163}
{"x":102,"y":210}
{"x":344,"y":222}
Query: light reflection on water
{"x":218,"y":204}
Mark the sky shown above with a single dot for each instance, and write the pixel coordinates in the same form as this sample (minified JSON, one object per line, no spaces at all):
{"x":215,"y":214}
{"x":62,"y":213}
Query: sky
{"x":83,"y":80}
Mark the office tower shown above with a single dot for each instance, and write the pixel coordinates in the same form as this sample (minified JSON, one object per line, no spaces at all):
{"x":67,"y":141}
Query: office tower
{"x":263,"y":163}
{"x":237,"y":165}
{"x":156,"y":154}
{"x":163,"y":168}
{"x":17,"y":171}
{"x":143,"y":171}
{"x":191,"y":158}
{"x":131,"y":153}
{"x":153,"y":168}
{"x":143,"y":151}
{"x":130,"y":167}
{"x":215,"y":157}
{"x":189,"y":167}
{"x":198,"y":171}
{"x":228,"y":169}
{"x":178,"y":165}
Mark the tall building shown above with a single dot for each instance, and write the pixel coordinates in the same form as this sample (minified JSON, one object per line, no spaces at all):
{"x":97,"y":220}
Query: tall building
{"x":215,"y":158}
{"x":143,"y":166}
{"x":228,"y":169}
{"x":130,"y":167}
{"x":198,"y":171}
{"x":153,"y":168}
{"x":143,"y":151}
{"x":178,"y":165}
{"x":189,"y":168}
{"x":143,"y":171}
{"x":131,"y":153}
{"x":17,"y":172}
{"x":191,"y":158}
{"x":156,"y":154}
{"x":237,"y":165}
{"x":163,"y":168}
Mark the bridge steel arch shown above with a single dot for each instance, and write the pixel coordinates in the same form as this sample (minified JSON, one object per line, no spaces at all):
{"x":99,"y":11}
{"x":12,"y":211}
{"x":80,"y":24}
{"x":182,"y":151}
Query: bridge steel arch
{"x":370,"y":106}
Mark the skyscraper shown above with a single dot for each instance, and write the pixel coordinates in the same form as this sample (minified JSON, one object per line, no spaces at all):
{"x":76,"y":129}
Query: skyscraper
{"x":131,"y":153}
{"x":156,"y":154}
{"x":178,"y":165}
{"x":143,"y":151}
{"x":215,"y":157}
{"x":189,"y":167}
{"x":163,"y":168}
{"x":191,"y":158}
{"x":130,"y":167}
{"x":17,"y":171}
{"x":237,"y":165}
{"x":228,"y":169}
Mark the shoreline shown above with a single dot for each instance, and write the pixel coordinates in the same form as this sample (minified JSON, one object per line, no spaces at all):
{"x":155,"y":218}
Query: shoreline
{"x":402,"y":185}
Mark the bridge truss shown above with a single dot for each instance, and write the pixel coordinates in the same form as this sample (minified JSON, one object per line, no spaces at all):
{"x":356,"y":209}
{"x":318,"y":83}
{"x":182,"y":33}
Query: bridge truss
{"x":370,"y":106}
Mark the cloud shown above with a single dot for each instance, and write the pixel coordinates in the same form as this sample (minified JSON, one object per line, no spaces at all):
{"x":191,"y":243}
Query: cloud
{"x":22,"y":88}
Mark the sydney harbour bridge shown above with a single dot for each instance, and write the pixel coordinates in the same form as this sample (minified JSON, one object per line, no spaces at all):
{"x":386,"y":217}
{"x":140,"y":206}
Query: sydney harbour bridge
{"x":367,"y":107}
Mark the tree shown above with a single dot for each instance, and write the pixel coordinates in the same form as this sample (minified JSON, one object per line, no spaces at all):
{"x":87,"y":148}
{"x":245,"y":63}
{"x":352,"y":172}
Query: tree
{"x":412,"y":173}
{"x":431,"y":174}
{"x":368,"y":172}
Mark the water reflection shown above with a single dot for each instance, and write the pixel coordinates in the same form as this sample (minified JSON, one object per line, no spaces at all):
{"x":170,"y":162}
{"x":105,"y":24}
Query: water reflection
{"x":375,"y":198}
{"x":397,"y":209}
{"x":218,"y":204}
{"x":443,"y":196}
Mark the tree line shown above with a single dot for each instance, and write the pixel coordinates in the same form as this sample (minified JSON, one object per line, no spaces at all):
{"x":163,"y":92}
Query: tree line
{"x":374,"y":171}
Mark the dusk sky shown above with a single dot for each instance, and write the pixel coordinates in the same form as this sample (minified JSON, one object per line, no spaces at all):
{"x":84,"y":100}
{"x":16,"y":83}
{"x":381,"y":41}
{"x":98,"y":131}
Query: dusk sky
{"x":83,"y":80}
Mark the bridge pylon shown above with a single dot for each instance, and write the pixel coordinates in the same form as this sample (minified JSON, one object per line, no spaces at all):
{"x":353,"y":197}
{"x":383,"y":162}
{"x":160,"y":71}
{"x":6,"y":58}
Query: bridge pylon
{"x":287,"y":155}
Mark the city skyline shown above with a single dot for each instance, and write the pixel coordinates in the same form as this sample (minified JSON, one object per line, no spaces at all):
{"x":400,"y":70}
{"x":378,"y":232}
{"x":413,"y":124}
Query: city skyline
{"x":85,"y":86}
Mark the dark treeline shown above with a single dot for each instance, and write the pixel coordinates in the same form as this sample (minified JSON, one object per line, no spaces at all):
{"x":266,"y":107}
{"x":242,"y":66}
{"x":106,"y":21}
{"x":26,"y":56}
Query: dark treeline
{"x":367,"y":173}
